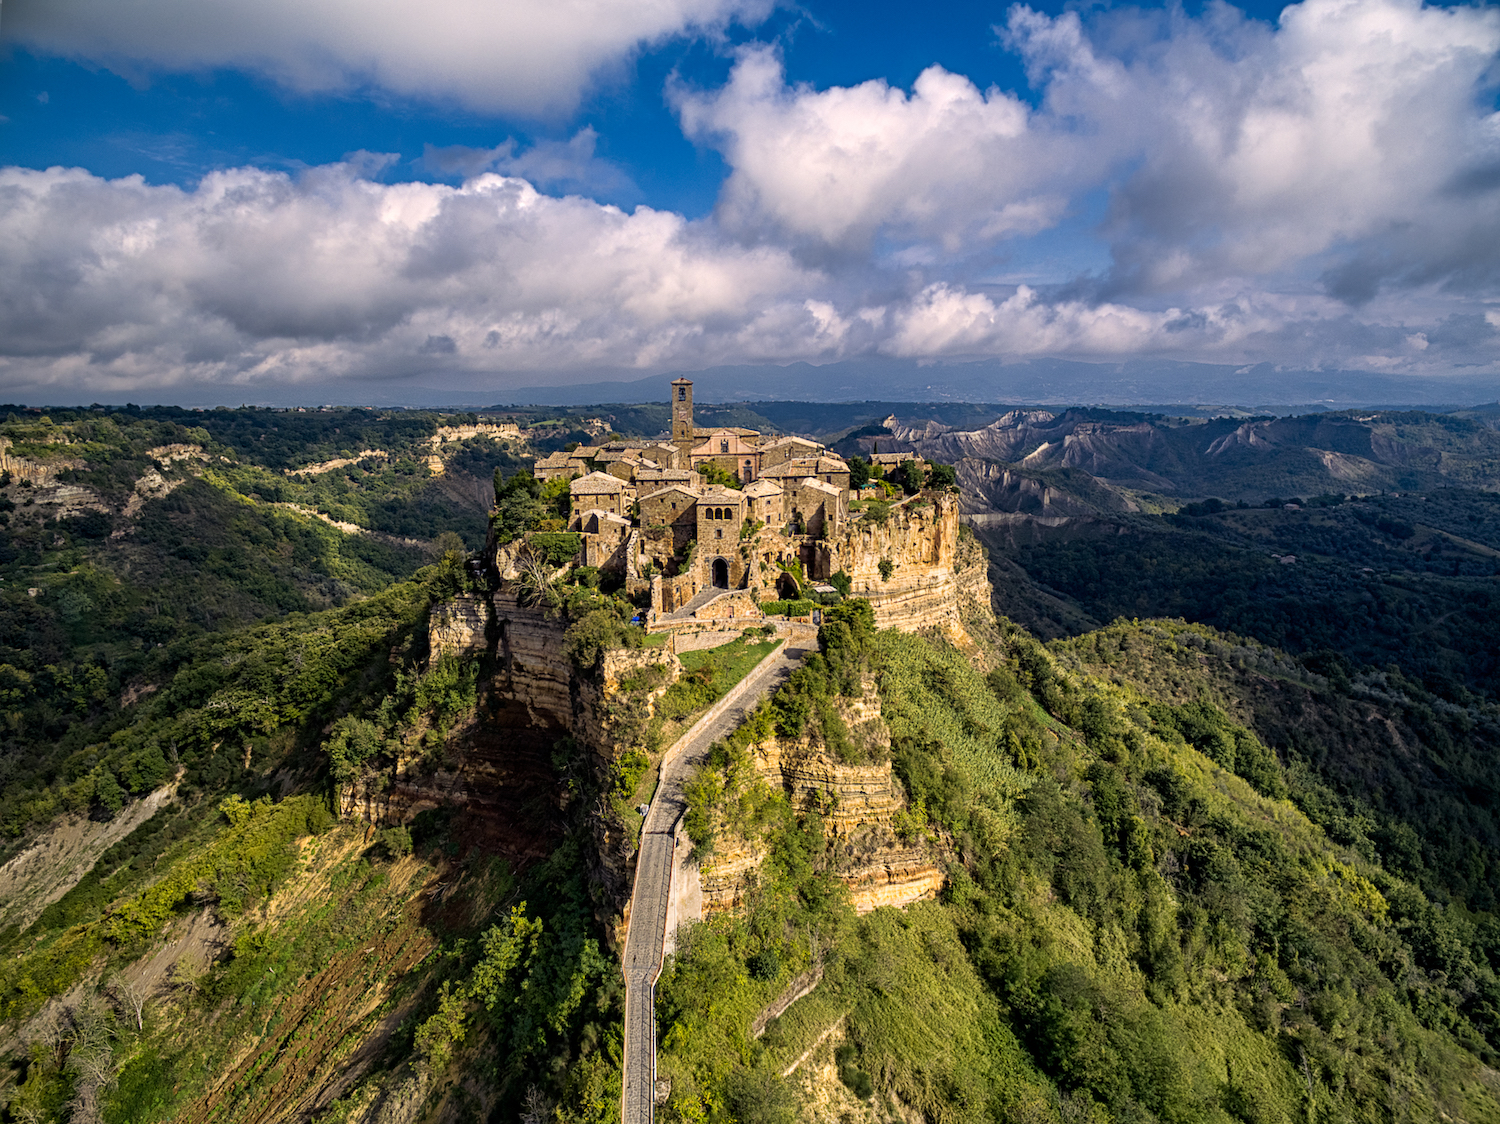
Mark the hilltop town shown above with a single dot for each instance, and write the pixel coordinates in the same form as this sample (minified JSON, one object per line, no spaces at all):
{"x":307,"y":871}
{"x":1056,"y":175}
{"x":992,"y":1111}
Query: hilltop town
{"x":707,"y":523}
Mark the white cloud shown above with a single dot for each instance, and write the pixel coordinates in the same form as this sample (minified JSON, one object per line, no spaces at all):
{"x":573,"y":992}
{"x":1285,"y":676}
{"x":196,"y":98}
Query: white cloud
{"x":554,"y":166}
{"x":1355,"y":140}
{"x":1325,"y":192}
{"x":945,"y":162}
{"x":255,"y":280}
{"x":521,"y":56}
{"x":259,"y":276}
{"x":1340,"y":140}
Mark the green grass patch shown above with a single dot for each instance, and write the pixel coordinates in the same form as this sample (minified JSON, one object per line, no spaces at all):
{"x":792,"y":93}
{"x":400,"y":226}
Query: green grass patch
{"x":799,"y":608}
{"x":709,"y":674}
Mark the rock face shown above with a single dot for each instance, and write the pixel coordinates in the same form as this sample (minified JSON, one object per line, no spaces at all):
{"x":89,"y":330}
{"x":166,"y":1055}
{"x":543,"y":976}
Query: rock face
{"x":459,"y":626}
{"x":859,"y":804}
{"x":919,"y":541}
{"x":498,"y":768}
{"x":538,"y":713}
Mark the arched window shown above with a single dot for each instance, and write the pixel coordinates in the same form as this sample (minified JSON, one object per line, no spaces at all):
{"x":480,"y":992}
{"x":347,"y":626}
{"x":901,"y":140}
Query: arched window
{"x":723,"y":445}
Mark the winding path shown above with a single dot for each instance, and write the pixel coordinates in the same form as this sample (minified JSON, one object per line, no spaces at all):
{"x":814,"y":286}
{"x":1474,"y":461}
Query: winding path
{"x":653,"y":871}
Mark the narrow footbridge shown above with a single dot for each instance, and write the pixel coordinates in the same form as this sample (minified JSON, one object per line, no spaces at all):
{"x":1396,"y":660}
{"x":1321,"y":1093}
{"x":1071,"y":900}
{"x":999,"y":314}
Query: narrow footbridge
{"x":653,"y":871}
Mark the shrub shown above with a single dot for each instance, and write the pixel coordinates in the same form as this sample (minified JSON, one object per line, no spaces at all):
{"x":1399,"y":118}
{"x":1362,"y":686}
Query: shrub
{"x":393,"y":842}
{"x":887,"y":568}
{"x":764,"y":965}
{"x":787,"y":608}
{"x":596,"y":632}
{"x":555,"y":547}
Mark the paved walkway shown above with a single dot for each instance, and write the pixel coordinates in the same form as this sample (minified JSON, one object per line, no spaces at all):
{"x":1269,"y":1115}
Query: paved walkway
{"x":699,"y":599}
{"x":653,"y":873}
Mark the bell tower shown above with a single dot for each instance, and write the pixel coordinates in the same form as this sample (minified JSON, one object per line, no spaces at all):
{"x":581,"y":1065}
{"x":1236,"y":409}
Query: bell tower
{"x":682,"y":413}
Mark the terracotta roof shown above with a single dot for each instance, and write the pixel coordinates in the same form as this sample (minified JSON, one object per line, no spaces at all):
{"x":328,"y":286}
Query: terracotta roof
{"x":717,"y":493}
{"x":763,"y":487}
{"x":691,"y":493}
{"x":792,"y":440}
{"x":598,"y":483}
{"x":553,"y":460}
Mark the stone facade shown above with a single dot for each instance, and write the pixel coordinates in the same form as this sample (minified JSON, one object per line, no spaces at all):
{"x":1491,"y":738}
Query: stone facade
{"x":603,"y":492}
{"x":729,"y":450}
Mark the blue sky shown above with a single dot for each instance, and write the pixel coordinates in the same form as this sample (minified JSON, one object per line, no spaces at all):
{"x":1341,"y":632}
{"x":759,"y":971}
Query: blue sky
{"x":342,"y":199}
{"x":174,"y":127}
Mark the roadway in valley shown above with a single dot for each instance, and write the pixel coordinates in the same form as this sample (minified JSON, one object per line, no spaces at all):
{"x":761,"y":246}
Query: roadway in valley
{"x":653,"y":872}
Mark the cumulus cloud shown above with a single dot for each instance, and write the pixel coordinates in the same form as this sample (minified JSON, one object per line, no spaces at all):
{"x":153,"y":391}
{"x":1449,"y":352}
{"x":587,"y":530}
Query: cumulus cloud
{"x":569,"y":166}
{"x":1339,"y":136}
{"x":1322,"y":192}
{"x":946,"y":162}
{"x":255,"y":276}
{"x":519,"y":56}
{"x":263,"y":280}
{"x":1355,"y":141}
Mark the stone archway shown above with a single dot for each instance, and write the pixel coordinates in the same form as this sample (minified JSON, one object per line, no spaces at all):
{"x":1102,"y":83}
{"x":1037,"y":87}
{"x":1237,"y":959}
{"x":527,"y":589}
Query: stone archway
{"x":721,"y":574}
{"x":786,"y":587}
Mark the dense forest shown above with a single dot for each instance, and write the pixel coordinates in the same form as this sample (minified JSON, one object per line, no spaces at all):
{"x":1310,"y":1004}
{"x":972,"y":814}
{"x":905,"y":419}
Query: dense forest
{"x":1217,"y":830}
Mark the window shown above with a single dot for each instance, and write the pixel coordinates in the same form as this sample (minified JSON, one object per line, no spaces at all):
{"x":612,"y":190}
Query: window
{"x":723,"y":445}
{"x":682,"y":394}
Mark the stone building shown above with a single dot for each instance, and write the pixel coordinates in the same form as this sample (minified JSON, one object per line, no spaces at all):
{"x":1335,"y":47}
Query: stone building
{"x":793,"y":497}
{"x":732,"y":451}
{"x":675,"y":508}
{"x":829,"y":470}
{"x":599,"y":491}
{"x":763,"y":502}
{"x":553,"y":466}
{"x":783,"y":449}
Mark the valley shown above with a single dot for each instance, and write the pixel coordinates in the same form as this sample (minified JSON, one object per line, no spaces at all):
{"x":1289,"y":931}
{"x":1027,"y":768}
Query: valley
{"x":1138,"y":768}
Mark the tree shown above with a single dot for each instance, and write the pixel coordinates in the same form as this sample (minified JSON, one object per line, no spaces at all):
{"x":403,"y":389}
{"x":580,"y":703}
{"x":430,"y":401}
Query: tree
{"x":713,"y":474}
{"x":859,"y":472}
{"x":942,"y":476}
{"x":132,"y":996}
{"x":107,"y":790}
{"x":909,"y":476}
{"x":537,"y":587}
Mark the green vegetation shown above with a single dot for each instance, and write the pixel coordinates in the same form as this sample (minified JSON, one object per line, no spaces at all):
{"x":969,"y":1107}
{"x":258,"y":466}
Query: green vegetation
{"x":1191,"y":874}
{"x":709,"y":674}
{"x":1131,"y":931}
{"x":714,"y":474}
{"x":798,"y":608}
{"x":524,"y":503}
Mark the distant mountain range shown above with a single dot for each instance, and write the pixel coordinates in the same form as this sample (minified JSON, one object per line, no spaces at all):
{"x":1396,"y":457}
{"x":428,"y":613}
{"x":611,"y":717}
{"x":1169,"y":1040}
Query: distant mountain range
{"x":1261,"y":388}
{"x":1232,"y":458}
